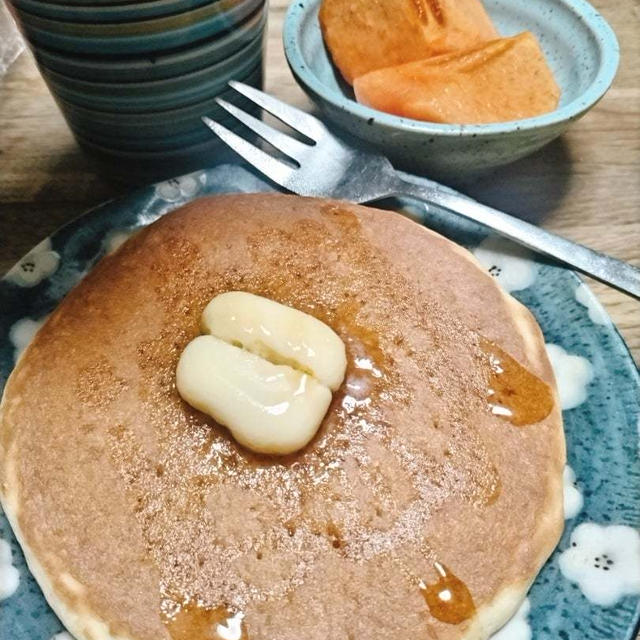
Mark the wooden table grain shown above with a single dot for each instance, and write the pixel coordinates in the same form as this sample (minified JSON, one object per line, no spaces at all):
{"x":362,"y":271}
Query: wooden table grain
{"x":586,"y":185}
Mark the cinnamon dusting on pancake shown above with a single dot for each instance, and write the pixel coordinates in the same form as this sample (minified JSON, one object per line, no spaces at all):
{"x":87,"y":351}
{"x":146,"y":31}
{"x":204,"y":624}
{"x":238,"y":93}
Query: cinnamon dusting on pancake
{"x":98,"y":385}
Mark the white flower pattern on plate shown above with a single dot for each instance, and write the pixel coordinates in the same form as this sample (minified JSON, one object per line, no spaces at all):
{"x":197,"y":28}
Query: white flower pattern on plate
{"x":573,"y":500}
{"x":22,"y":333}
{"x":604,"y":561}
{"x":9,"y":575}
{"x":63,"y":635}
{"x":37,"y":265}
{"x":587,"y":299}
{"x":510,"y":264}
{"x":518,"y":627}
{"x":573,"y":375}
{"x":182,"y":188}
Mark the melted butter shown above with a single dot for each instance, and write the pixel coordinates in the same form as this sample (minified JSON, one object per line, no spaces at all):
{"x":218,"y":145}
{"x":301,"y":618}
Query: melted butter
{"x":515,"y":394}
{"x":448,"y":599}
{"x":192,"y":621}
{"x":365,"y":355}
{"x":367,"y":338}
{"x":367,"y":365}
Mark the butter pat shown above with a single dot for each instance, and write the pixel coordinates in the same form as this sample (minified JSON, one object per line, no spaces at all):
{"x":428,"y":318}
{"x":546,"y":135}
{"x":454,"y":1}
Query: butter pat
{"x":265,"y":372}
{"x":267,"y":407}
{"x":278,"y":333}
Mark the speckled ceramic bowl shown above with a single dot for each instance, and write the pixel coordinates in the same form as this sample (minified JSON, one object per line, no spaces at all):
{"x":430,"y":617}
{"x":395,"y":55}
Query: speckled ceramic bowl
{"x":580,"y":47}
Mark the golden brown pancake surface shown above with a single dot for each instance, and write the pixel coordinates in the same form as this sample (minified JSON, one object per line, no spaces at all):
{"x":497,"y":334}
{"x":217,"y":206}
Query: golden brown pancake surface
{"x":143,"y":519}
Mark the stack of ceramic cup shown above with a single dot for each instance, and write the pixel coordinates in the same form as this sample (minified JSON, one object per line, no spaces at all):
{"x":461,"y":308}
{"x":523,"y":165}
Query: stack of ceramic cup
{"x":134,"y":78}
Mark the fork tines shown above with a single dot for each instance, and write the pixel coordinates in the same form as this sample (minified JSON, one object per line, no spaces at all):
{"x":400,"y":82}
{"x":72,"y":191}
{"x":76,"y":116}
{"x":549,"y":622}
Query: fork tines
{"x":304,"y":123}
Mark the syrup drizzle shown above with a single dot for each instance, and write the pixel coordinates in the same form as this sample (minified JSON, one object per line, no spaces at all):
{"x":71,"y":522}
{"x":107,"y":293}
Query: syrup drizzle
{"x":449,"y":600}
{"x":192,"y":621}
{"x":515,"y":394}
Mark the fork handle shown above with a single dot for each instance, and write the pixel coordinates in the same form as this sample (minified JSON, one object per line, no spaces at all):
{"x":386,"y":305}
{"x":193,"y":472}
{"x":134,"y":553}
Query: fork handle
{"x":616,"y":273}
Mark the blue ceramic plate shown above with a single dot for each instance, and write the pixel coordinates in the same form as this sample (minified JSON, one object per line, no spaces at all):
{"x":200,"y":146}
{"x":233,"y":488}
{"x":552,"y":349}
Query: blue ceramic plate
{"x":579,"y":45}
{"x":589,"y":588}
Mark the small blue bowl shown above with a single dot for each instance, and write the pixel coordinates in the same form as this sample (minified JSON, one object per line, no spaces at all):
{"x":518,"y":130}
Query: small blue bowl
{"x":580,"y":48}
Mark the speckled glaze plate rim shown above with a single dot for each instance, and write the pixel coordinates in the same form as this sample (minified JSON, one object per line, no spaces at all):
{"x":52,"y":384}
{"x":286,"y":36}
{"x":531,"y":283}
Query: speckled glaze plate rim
{"x":583,"y":339}
{"x":603,"y":36}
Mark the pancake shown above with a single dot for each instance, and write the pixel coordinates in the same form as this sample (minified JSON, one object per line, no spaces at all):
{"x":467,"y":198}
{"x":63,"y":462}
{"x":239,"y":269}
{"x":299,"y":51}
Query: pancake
{"x":417,"y":511}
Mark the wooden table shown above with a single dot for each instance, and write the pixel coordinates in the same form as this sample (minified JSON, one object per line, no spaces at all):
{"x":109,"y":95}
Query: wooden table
{"x":585,"y":185}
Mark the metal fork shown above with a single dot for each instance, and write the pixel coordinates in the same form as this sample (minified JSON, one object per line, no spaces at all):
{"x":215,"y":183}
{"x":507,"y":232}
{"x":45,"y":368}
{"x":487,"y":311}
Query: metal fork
{"x":328,"y":167}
